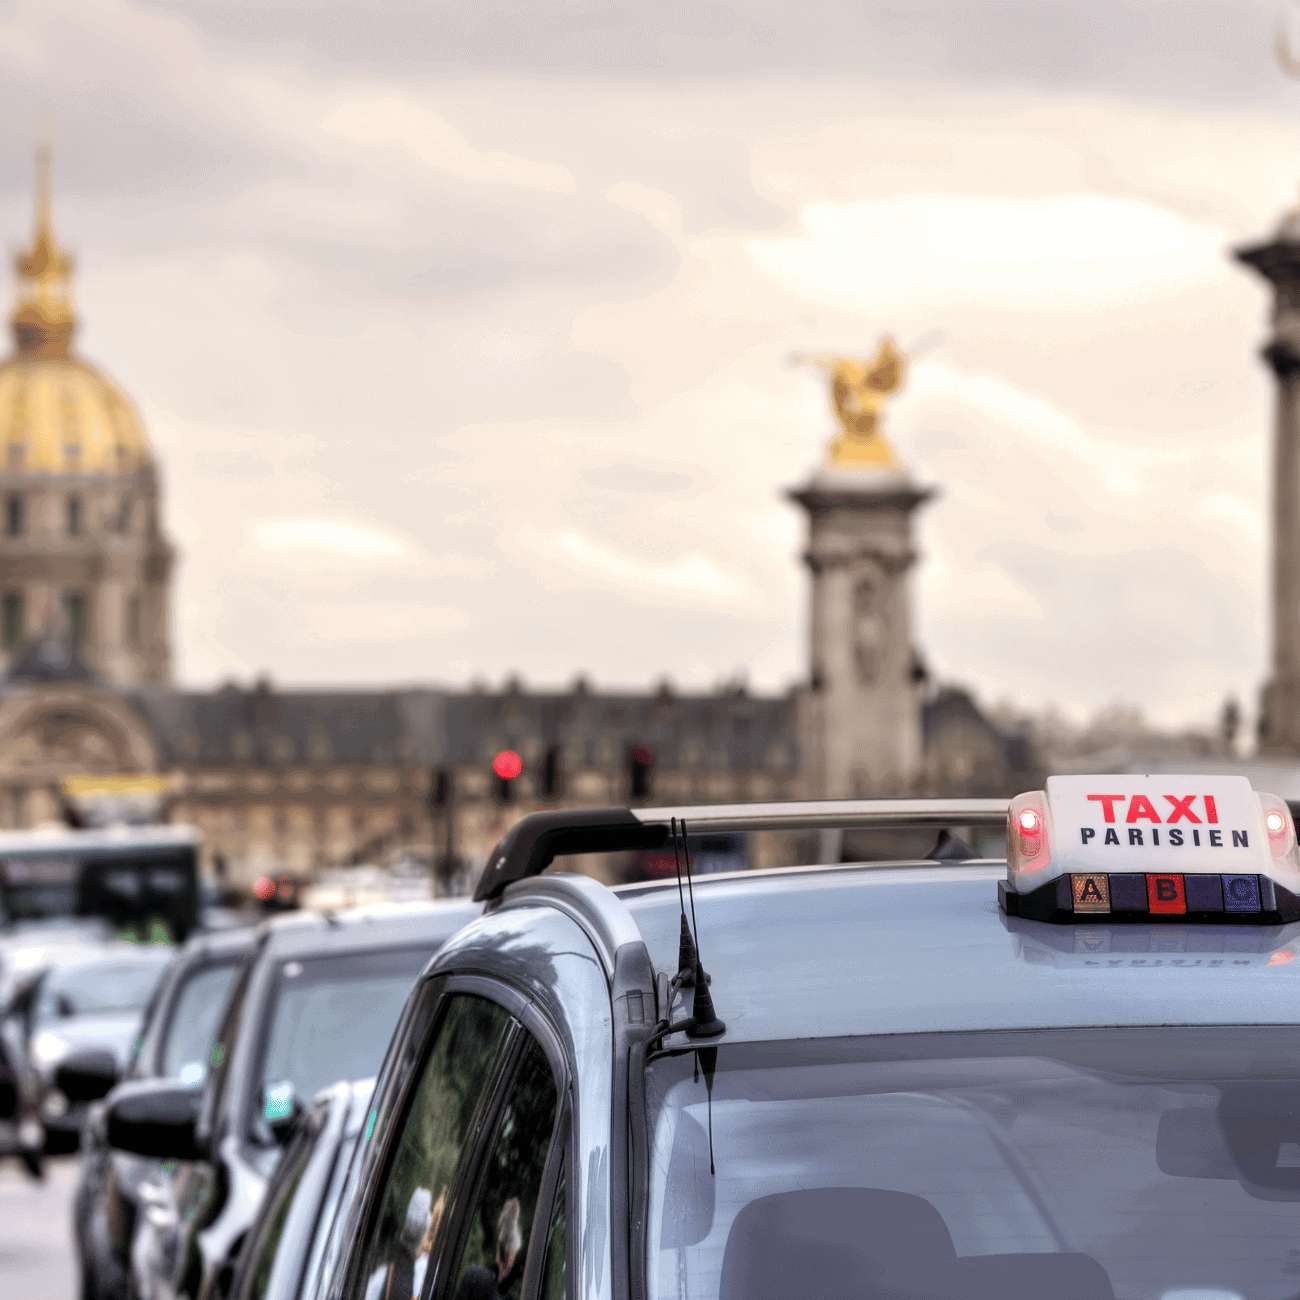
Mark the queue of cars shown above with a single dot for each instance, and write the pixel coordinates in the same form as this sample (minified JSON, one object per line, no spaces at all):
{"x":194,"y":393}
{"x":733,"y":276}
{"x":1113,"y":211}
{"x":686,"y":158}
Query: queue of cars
{"x":1071,"y":1072}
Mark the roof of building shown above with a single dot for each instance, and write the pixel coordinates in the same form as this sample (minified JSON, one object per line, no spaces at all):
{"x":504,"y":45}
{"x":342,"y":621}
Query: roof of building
{"x":732,"y":730}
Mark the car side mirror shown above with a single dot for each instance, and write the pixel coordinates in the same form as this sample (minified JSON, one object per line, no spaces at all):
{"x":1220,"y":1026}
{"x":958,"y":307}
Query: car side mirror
{"x":155,"y":1117}
{"x":86,"y":1076}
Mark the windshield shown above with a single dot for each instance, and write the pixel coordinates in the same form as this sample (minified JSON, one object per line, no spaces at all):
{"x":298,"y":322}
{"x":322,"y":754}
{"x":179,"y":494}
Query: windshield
{"x":120,"y":985}
{"x":331,"y":1020}
{"x":1162,"y":1163}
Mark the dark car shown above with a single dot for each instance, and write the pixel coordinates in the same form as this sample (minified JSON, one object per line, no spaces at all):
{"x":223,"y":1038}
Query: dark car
{"x":315,"y":1002}
{"x":1073,"y":1073}
{"x":83,"y":1017}
{"x":122,"y":1198}
{"x":284,"y":1257}
{"x":26,"y":950}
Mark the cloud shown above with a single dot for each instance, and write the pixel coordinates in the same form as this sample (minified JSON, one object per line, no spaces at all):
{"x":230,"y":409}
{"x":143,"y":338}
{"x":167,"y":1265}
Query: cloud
{"x":1065,"y":252}
{"x":308,"y":540}
{"x":691,"y":578}
{"x":1063,"y":229}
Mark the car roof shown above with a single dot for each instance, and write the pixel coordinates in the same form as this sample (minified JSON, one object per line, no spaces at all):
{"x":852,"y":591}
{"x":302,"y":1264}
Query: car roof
{"x":913,"y":948}
{"x":113,"y":953}
{"x":106,"y":839}
{"x":384,"y":925}
{"x":206,"y":945}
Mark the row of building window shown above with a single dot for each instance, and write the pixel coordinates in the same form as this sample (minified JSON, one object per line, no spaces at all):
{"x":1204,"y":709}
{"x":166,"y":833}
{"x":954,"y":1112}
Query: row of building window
{"x":13,"y":624}
{"x":73,"y":516}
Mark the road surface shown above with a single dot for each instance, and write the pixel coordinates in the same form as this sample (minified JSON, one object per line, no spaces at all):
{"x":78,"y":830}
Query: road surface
{"x":36,"y":1256}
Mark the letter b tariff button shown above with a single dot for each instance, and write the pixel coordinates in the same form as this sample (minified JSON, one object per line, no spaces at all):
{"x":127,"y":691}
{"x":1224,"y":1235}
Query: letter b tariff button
{"x":1165,"y":894}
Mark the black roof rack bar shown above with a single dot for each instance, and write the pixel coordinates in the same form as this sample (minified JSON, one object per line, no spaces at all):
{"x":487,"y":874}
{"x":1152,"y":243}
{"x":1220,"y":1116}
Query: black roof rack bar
{"x":530,"y":846}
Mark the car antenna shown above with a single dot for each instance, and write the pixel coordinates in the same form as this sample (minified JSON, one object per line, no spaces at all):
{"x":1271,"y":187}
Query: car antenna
{"x":685,"y":944}
{"x":706,"y":1059}
{"x":704,"y":1022}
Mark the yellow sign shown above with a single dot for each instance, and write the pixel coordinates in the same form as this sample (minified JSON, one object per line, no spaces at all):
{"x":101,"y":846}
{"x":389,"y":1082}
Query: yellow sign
{"x":77,"y":787}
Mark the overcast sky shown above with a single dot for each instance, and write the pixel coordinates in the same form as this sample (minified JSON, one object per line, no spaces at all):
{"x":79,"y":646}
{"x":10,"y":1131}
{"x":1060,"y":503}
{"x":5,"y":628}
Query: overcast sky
{"x":462,"y":331}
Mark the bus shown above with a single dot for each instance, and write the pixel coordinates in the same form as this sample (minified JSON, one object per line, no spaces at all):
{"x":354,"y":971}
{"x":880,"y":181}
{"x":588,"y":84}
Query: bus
{"x":143,"y":880}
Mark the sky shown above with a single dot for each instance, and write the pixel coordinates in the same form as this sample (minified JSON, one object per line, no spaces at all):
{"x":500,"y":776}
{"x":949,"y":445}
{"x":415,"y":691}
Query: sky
{"x":463,"y":333}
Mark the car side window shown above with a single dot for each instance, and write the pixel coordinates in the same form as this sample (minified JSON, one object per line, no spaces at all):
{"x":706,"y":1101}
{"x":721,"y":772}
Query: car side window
{"x":499,"y":1219}
{"x":192,"y":1026}
{"x":443,"y":1118}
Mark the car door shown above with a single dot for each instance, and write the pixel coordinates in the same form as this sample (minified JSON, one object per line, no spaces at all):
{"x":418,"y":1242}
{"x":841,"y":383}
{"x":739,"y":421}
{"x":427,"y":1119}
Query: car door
{"x":466,"y":1167}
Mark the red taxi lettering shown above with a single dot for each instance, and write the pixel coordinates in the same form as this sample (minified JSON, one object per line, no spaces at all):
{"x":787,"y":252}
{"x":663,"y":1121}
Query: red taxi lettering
{"x":1183,"y":808}
{"x":1211,"y":810}
{"x":1108,"y":802}
{"x":1141,"y":807}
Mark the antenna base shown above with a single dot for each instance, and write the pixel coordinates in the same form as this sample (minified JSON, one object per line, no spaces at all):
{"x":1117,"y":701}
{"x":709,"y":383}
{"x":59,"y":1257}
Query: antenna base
{"x":708,"y":1029}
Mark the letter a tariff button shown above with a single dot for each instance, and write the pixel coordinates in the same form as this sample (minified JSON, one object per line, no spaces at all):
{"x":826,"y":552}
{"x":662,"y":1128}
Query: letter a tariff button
{"x":1165,"y":894}
{"x":1091,"y":892}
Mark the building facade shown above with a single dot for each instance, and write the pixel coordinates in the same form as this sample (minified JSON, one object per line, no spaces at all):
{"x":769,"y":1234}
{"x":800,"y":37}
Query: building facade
{"x":297,"y":781}
{"x":1278,"y":261}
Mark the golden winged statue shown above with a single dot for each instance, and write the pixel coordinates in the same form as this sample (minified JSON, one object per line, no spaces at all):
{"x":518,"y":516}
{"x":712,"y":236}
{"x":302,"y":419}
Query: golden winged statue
{"x":859,"y":390}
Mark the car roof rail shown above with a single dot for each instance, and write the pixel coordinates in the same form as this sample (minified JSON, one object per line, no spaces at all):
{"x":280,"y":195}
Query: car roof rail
{"x":535,"y":841}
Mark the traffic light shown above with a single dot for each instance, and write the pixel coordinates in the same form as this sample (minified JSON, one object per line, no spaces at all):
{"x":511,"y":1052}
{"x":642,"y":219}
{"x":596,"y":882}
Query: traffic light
{"x":506,"y":766}
{"x":640,"y":769}
{"x":550,"y":786}
{"x":440,"y":790}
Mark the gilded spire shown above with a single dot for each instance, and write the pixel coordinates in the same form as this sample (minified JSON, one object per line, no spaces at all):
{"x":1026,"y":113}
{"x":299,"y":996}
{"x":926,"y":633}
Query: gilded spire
{"x":43,"y":319}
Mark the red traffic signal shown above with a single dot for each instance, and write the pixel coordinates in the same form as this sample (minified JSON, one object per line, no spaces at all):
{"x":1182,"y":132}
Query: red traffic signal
{"x":507,"y":765}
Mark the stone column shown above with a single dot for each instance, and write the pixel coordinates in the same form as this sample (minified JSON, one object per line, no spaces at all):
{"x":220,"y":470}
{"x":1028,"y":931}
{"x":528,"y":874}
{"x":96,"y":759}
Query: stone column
{"x":1279,"y":263}
{"x":861,"y":732}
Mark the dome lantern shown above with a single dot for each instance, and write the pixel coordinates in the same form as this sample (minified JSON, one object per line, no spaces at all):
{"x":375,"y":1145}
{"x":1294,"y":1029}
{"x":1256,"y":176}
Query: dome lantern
{"x":44,"y":319}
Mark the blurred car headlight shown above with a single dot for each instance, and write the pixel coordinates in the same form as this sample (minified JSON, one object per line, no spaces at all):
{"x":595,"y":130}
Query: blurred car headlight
{"x":48,"y":1049}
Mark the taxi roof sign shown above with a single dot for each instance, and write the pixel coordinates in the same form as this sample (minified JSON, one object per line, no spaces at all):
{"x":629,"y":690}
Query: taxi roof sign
{"x":1148,"y":848}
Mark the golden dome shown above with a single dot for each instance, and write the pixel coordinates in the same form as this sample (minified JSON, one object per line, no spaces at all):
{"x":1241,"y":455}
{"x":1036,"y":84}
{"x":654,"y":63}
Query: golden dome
{"x":61,"y":416}
{"x":57,"y":414}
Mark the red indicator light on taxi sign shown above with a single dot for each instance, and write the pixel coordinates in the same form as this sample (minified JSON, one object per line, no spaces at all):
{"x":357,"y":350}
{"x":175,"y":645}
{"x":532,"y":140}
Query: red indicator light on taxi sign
{"x":1275,"y":822}
{"x":1030,"y":822}
{"x":264,"y":888}
{"x":1165,"y":893}
{"x":507,"y":765}
{"x":1281,"y":958}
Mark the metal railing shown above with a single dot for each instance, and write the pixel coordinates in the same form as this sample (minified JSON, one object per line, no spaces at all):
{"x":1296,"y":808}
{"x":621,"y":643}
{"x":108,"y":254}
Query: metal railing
{"x":832,"y":814}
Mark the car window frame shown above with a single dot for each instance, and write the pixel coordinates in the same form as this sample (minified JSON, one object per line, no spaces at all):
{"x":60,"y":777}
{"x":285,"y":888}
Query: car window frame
{"x":297,"y":1157}
{"x":398,"y":1114}
{"x":452,"y":1239}
{"x":528,"y":1018}
{"x":557,"y":1162}
{"x":218,"y":1083}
